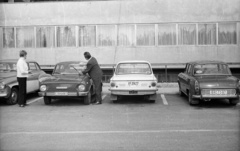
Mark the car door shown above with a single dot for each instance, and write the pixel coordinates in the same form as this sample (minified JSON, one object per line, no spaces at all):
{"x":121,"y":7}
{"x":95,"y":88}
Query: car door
{"x":182,"y":78}
{"x":185,"y":78}
{"x":32,"y":80}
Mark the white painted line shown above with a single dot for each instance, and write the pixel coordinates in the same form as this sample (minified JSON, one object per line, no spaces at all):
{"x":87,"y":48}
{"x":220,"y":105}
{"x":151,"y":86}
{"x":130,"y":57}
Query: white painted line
{"x":104,"y":96}
{"x":35,"y":100}
{"x":121,"y":132}
{"x":164,"y":99}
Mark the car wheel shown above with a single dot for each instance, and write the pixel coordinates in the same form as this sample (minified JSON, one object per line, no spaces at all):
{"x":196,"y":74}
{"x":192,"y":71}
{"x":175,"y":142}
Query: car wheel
{"x":13,"y":98}
{"x":233,"y":101}
{"x":191,"y":100}
{"x":180,"y":91}
{"x":47,"y":100}
{"x":87,"y":99}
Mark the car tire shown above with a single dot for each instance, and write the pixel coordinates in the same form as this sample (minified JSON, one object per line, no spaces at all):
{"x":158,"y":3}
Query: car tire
{"x":180,"y":91}
{"x":47,"y":100}
{"x":191,"y":100}
{"x":87,"y":99}
{"x":233,"y":101}
{"x":13,"y":98}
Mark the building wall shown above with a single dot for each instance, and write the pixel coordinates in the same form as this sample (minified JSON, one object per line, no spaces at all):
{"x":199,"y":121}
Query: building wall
{"x":123,"y":12}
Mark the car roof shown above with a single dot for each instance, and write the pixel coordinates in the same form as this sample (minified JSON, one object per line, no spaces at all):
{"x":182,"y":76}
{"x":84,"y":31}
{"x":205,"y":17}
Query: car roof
{"x":206,"y":62}
{"x":14,"y":60}
{"x":133,"y":61}
{"x":70,"y":62}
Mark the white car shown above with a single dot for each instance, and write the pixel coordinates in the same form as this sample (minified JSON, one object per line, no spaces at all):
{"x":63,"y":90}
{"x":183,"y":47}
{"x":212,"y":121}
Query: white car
{"x":133,"y":78}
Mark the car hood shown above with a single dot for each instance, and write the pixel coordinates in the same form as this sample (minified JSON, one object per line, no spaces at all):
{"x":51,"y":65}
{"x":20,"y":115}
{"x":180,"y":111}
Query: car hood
{"x":64,"y":79}
{"x":135,"y":77}
{"x":5,"y":75}
{"x":217,"y":81}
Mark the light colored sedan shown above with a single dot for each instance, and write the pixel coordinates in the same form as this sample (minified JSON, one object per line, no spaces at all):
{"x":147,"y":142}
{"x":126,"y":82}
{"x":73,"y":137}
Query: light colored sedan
{"x":8,"y":79}
{"x":133,"y":78}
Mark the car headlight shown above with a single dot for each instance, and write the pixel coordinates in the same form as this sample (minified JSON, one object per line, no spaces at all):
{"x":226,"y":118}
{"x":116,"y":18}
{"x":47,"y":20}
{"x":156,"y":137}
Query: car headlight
{"x":2,"y":85}
{"x":81,"y":87}
{"x":43,"y":88}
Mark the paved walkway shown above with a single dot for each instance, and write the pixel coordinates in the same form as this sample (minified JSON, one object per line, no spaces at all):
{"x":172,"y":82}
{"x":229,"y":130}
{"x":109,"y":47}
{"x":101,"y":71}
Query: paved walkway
{"x":166,"y":88}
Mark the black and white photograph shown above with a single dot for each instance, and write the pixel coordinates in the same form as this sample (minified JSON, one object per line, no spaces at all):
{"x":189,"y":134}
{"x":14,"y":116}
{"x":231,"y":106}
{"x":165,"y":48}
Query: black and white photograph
{"x":119,"y":75}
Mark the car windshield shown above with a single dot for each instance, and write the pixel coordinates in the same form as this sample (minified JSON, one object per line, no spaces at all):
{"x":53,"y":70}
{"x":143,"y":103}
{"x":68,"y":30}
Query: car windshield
{"x":133,"y":68}
{"x":211,"y":69}
{"x":75,"y":68}
{"x":8,"y":67}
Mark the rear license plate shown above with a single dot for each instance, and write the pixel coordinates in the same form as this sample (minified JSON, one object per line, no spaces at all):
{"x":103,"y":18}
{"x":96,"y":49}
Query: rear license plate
{"x":218,"y":92}
{"x":61,"y":93}
{"x":133,"y":92}
{"x":133,"y":84}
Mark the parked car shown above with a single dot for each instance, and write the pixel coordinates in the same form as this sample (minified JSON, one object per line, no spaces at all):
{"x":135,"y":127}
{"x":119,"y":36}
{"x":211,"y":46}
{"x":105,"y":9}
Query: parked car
{"x":8,"y":79}
{"x":133,"y":78}
{"x":67,"y":81}
{"x":206,"y":80}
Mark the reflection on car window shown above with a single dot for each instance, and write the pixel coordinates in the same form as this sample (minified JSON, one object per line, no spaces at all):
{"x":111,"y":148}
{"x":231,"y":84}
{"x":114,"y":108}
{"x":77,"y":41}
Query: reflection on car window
{"x":133,"y":68}
{"x":211,"y":69}
{"x":8,"y":67}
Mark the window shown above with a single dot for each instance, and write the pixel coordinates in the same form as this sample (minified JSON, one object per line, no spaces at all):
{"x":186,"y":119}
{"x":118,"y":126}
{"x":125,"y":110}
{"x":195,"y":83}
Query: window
{"x":133,"y":68}
{"x":32,"y":66}
{"x":227,"y":33}
{"x":66,"y":36}
{"x":186,"y":34}
{"x":106,"y":35}
{"x":25,"y":37}
{"x":206,"y":34}
{"x":8,"y":38}
{"x":45,"y":37}
{"x":145,"y":35}
{"x":87,"y":36}
{"x":167,"y":34}
{"x":126,"y":34}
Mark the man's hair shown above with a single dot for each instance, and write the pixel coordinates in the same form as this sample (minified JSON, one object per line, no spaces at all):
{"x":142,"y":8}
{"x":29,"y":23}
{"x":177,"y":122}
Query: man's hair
{"x":22,"y":53}
{"x":87,"y":55}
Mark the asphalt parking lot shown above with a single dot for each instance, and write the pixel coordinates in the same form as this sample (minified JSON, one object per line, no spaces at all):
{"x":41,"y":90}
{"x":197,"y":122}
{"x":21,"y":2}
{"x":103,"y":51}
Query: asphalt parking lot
{"x":130,"y":124}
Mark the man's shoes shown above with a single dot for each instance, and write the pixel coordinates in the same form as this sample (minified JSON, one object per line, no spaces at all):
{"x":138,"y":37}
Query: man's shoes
{"x":97,"y":103}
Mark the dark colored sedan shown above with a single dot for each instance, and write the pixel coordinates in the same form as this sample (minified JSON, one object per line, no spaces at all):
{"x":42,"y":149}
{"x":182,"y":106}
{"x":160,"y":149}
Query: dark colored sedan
{"x":206,"y":80}
{"x":67,"y":81}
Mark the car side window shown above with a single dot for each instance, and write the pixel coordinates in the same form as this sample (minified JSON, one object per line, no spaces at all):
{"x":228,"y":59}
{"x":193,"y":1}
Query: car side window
{"x":32,"y":66}
{"x":186,"y":68}
{"x":189,"y":69}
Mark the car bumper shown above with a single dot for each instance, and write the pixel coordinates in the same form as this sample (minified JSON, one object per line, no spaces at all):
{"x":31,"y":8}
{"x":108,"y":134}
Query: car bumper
{"x":133,"y":92}
{"x":54,"y":94}
{"x":215,"y":96}
{"x":5,"y":93}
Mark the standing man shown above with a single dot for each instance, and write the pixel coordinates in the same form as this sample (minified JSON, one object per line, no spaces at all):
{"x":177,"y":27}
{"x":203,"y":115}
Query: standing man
{"x":22,"y":74}
{"x":95,"y":73}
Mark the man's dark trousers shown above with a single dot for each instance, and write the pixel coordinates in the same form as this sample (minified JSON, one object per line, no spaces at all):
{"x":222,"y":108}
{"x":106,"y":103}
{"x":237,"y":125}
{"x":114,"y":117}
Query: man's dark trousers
{"x":22,"y":93}
{"x":98,"y":88}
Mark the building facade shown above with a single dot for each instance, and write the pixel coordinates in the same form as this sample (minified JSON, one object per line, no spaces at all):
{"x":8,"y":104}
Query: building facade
{"x":159,"y":31}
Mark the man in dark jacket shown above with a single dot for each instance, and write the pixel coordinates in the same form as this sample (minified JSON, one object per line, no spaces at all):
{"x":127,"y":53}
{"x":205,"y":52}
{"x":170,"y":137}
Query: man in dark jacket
{"x":95,"y":73}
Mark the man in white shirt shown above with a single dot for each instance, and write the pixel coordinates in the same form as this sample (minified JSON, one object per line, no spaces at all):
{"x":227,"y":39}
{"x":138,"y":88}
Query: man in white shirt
{"x":22,"y":74}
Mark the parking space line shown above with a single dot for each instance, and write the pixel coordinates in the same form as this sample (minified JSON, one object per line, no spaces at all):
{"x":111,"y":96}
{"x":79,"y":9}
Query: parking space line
{"x":164,"y":99}
{"x":104,"y":96}
{"x":35,"y":100}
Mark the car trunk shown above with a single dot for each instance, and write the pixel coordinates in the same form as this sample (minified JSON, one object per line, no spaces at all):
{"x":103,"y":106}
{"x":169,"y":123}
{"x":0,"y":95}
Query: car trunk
{"x":217,"y":81}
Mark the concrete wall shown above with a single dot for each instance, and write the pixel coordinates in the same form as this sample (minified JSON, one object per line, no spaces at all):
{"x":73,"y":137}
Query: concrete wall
{"x":120,"y":12}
